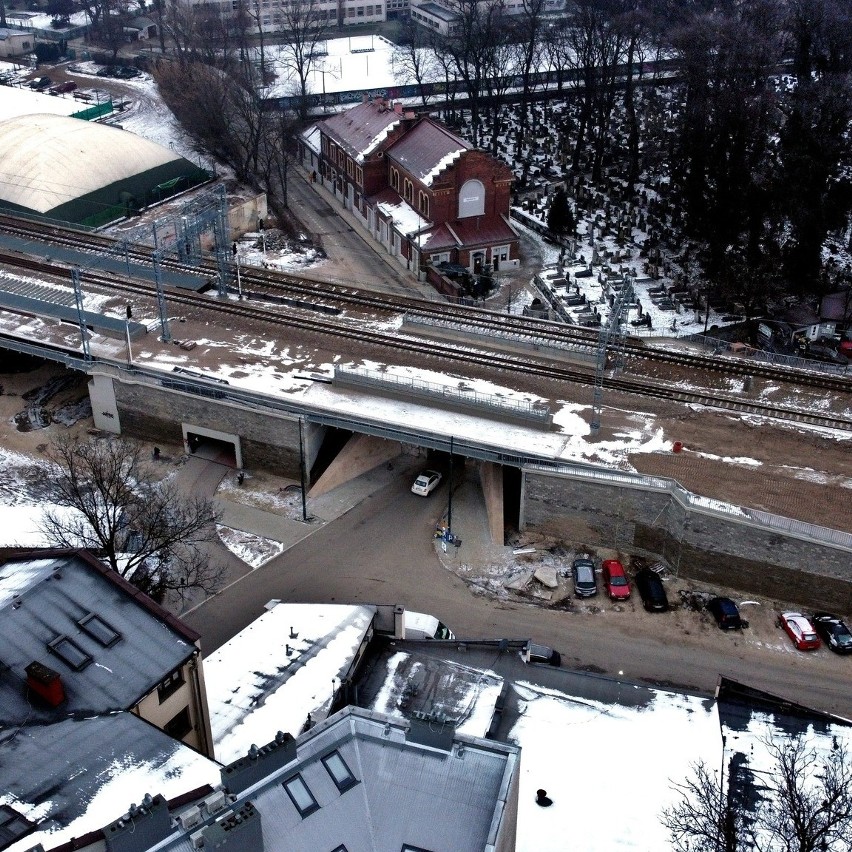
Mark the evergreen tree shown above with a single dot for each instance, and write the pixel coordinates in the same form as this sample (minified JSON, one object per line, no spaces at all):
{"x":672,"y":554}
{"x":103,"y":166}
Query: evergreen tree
{"x":560,"y":218}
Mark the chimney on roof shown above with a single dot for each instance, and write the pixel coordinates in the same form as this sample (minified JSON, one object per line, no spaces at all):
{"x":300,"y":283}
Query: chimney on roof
{"x":45,"y":682}
{"x":140,"y":828}
{"x":397,"y":107}
{"x":258,"y":763}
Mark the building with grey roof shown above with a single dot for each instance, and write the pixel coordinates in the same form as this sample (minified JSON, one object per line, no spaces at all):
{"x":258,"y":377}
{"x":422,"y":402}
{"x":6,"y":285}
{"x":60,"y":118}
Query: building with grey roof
{"x":76,"y":640}
{"x":14,"y":43}
{"x":62,"y":780}
{"x":302,"y":656}
{"x":358,"y":781}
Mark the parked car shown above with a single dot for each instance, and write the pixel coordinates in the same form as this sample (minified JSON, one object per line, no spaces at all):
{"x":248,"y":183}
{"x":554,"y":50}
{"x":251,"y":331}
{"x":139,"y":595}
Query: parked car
{"x":62,"y":88}
{"x":615,"y":580}
{"x":585,"y":582}
{"x":426,"y":483}
{"x":40,"y":83}
{"x":800,"y":630}
{"x":725,"y":611}
{"x":833,"y":632}
{"x":534,"y":653}
{"x":453,"y":270}
{"x":650,"y":588}
{"x":818,"y":352}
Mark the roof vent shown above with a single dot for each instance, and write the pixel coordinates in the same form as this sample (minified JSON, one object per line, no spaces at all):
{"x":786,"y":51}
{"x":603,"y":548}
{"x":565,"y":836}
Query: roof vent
{"x":237,"y":831}
{"x":45,"y":682}
{"x":190,"y":817}
{"x":216,"y":802}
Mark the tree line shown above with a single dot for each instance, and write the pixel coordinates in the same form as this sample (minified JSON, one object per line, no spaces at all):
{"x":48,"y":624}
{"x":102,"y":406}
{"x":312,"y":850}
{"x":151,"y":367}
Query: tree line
{"x":757,"y":140}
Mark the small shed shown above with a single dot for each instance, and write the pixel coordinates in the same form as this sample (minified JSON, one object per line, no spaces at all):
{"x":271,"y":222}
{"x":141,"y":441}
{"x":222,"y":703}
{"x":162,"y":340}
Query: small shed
{"x":15,"y":43}
{"x":140,"y":29}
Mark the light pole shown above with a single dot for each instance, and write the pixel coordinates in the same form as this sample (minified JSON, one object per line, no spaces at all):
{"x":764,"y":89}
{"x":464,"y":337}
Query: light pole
{"x":239,"y":282}
{"x":127,"y":335}
{"x":450,"y":498}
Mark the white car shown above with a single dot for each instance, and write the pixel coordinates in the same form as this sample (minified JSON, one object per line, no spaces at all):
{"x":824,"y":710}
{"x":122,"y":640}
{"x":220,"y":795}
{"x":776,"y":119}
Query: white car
{"x":426,"y":483}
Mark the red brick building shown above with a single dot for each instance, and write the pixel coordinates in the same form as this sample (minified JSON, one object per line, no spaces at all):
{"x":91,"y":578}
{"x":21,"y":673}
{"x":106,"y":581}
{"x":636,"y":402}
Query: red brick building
{"x":421,"y":191}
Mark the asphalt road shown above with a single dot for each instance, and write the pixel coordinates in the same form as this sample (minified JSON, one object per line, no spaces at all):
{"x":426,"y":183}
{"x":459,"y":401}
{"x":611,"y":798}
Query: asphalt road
{"x":381,"y":551}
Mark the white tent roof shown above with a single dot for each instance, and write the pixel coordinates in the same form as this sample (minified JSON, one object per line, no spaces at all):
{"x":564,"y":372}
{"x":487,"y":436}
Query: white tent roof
{"x":48,"y":160}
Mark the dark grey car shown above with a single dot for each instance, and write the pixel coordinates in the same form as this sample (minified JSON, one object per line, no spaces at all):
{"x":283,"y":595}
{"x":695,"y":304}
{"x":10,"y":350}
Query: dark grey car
{"x":585,"y":582}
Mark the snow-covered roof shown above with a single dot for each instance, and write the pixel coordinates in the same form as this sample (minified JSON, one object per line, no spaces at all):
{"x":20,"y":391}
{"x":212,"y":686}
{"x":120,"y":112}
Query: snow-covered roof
{"x":362,"y":781}
{"x":52,"y":597}
{"x":49,"y":160}
{"x":360,"y":130}
{"x":427,"y":149}
{"x":279,"y":669}
{"x":405,"y":218}
{"x":312,"y":137}
{"x":78,"y":775}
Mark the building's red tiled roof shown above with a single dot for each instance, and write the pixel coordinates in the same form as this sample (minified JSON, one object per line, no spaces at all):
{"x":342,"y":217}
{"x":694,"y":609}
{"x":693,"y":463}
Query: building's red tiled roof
{"x":484,"y":230}
{"x":439,"y":238}
{"x":427,"y":149}
{"x":360,"y":130}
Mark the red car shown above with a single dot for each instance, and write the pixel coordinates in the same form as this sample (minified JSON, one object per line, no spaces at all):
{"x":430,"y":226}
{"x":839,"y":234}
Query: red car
{"x":67,"y":86}
{"x":615,"y":580}
{"x":800,"y":630}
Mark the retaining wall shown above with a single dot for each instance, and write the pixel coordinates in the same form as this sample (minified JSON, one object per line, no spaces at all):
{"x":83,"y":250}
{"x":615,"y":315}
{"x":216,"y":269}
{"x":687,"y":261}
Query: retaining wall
{"x":268,"y":442}
{"x":709,"y":548}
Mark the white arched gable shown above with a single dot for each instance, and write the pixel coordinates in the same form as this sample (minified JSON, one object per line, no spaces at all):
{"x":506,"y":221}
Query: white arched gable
{"x":472,"y":198}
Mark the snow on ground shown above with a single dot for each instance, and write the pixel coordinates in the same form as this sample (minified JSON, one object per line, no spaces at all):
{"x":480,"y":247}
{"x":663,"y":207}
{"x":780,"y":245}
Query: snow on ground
{"x":352,"y":63}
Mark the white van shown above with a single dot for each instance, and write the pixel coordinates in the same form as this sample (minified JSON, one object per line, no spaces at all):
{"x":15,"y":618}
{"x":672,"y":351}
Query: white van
{"x":419,"y":625}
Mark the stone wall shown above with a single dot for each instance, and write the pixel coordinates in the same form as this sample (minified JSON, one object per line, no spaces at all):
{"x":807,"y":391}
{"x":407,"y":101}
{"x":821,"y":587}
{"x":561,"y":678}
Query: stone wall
{"x":709,"y":548}
{"x":268,"y":442}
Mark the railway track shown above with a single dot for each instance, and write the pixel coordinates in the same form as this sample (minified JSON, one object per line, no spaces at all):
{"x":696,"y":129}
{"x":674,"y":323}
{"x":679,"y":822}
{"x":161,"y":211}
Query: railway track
{"x":350,"y":329}
{"x":286,"y":288}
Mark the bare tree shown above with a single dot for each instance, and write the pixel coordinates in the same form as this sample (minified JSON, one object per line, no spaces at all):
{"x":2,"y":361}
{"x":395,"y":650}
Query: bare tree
{"x":802,"y":803}
{"x":306,"y":26}
{"x":412,"y":60}
{"x":807,"y":804}
{"x":528,"y":44}
{"x":143,"y":528}
{"x":704,"y":820}
{"x":472,"y":47}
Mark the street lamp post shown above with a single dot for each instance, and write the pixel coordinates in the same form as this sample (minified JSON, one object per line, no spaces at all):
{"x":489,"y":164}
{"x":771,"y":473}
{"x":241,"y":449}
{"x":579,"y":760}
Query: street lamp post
{"x":450,"y":498}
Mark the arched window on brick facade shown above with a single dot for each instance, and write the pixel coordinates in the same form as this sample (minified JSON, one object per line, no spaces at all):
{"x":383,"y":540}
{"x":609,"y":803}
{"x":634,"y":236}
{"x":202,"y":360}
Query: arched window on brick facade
{"x":472,"y":198}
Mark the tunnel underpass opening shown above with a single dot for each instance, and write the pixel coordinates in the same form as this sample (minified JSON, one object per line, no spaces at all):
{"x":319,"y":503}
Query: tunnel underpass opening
{"x":218,"y":447}
{"x":333,"y":442}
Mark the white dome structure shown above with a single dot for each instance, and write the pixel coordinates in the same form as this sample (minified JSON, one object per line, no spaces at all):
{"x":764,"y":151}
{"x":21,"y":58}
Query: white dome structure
{"x":80,"y":171}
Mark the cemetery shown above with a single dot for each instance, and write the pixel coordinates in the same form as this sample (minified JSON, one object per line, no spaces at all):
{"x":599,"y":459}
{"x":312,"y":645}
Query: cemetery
{"x":619,"y":235}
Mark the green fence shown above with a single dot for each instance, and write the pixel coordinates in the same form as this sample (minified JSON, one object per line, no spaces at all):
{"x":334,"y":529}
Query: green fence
{"x":159,"y":193}
{"x":93,"y":112}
